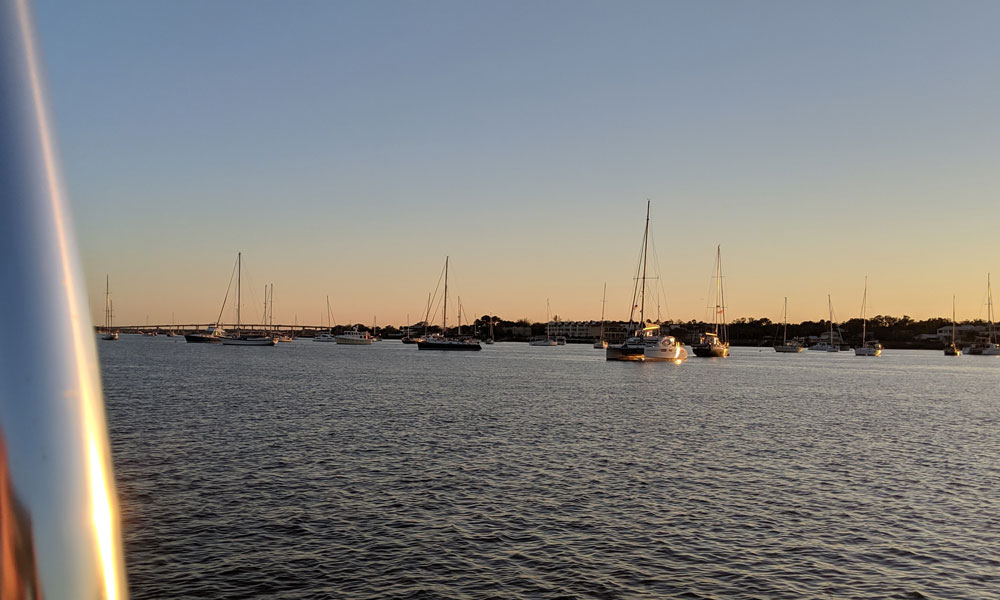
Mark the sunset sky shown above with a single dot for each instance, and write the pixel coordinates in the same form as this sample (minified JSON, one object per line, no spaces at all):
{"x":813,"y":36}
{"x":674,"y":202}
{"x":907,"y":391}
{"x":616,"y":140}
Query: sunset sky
{"x":347,"y":147}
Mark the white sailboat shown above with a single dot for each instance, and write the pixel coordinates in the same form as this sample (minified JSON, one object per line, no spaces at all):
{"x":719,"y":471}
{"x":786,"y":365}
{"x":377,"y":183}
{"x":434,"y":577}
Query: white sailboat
{"x":716,"y":343}
{"x":239,"y":338}
{"x":490,"y":340}
{"x":328,"y":336}
{"x":795,"y":346}
{"x":829,"y":345}
{"x":644,"y":342}
{"x":602,"y":343}
{"x":870,"y":347}
{"x":108,"y":333}
{"x":952,"y":349}
{"x":443,"y":341}
{"x":547,"y":340}
{"x":986,"y":346}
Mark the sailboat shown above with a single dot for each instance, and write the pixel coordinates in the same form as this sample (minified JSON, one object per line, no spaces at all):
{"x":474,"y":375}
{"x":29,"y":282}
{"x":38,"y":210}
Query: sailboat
{"x":328,"y":336}
{"x":871,"y":347}
{"x":795,"y":346}
{"x":952,"y":349}
{"x":489,"y":340}
{"x":239,"y":338}
{"x":829,"y":345}
{"x":547,"y":340}
{"x":716,"y":344}
{"x":108,"y":334}
{"x":442,"y":341}
{"x":280,"y":337}
{"x":987,"y":346}
{"x":602,"y":343}
{"x":644,"y":342}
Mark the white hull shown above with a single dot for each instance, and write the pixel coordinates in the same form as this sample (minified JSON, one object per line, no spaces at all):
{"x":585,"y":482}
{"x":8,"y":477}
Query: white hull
{"x":867,"y":352}
{"x":666,"y":350}
{"x":325,"y":337}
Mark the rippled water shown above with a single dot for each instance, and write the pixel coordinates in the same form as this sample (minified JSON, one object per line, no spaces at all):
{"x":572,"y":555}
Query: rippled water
{"x":322,"y":471}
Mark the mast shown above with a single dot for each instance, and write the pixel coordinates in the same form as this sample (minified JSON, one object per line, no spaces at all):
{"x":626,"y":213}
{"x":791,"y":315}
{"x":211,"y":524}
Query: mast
{"x":829,"y":303}
{"x":604,"y":301}
{"x":784,"y":336}
{"x":107,"y":300}
{"x":864,"y":318}
{"x":953,"y":319}
{"x":645,"y":251}
{"x":329,"y":319}
{"x":239,"y":288}
{"x":989,"y":309}
{"x":720,"y":312}
{"x":444,"y":317}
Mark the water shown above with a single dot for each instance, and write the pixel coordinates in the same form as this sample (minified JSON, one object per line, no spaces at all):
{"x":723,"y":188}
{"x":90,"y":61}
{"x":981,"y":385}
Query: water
{"x":321,"y":471}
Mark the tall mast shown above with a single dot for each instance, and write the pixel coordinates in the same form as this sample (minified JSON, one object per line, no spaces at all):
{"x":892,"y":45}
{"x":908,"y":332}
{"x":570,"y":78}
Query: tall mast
{"x":604,"y":301}
{"x":107,"y":299}
{"x":953,"y":318}
{"x":864,"y":318}
{"x":645,"y":247}
{"x":989,"y":309}
{"x":829,"y":303}
{"x":239,"y":288}
{"x":784,"y":336}
{"x":720,"y":311}
{"x":445,"y":315}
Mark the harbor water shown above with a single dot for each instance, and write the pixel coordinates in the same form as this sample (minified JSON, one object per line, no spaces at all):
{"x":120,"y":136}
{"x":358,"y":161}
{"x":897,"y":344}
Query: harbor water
{"x":314,"y":470}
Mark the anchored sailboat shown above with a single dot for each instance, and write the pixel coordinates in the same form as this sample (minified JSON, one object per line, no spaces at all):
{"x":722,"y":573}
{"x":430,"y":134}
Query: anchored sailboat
{"x":795,"y":346}
{"x":328,"y":336}
{"x":952,"y":349}
{"x":644,"y":342}
{"x":547,"y":340}
{"x":108,"y":333}
{"x":716,"y":343}
{"x":239,"y":338}
{"x":602,"y":343}
{"x":443,"y":341}
{"x":987,"y":346}
{"x":871,"y":347}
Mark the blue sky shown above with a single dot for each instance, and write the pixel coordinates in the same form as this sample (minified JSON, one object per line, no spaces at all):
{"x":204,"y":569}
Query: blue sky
{"x":347,"y":147}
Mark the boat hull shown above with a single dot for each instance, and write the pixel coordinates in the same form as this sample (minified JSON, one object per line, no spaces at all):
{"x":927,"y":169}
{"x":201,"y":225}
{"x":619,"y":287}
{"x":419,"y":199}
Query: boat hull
{"x":249,"y":341}
{"x":710,"y":351}
{"x":547,"y":343}
{"x":354,"y":341}
{"x":625,"y":352}
{"x":788,"y":348}
{"x":668,"y":352}
{"x":867,"y":351}
{"x":200,"y":338}
{"x":457,"y":345}
{"x":601,"y":345}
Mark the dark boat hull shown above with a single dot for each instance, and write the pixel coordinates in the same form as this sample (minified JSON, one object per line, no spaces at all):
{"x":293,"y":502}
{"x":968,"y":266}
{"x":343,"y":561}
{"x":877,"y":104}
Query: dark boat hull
{"x":432,"y":345}
{"x":710,"y":351}
{"x":197,"y":338}
{"x":633,"y":352}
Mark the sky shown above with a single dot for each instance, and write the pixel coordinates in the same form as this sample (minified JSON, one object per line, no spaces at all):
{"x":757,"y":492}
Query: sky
{"x":346,"y":148}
